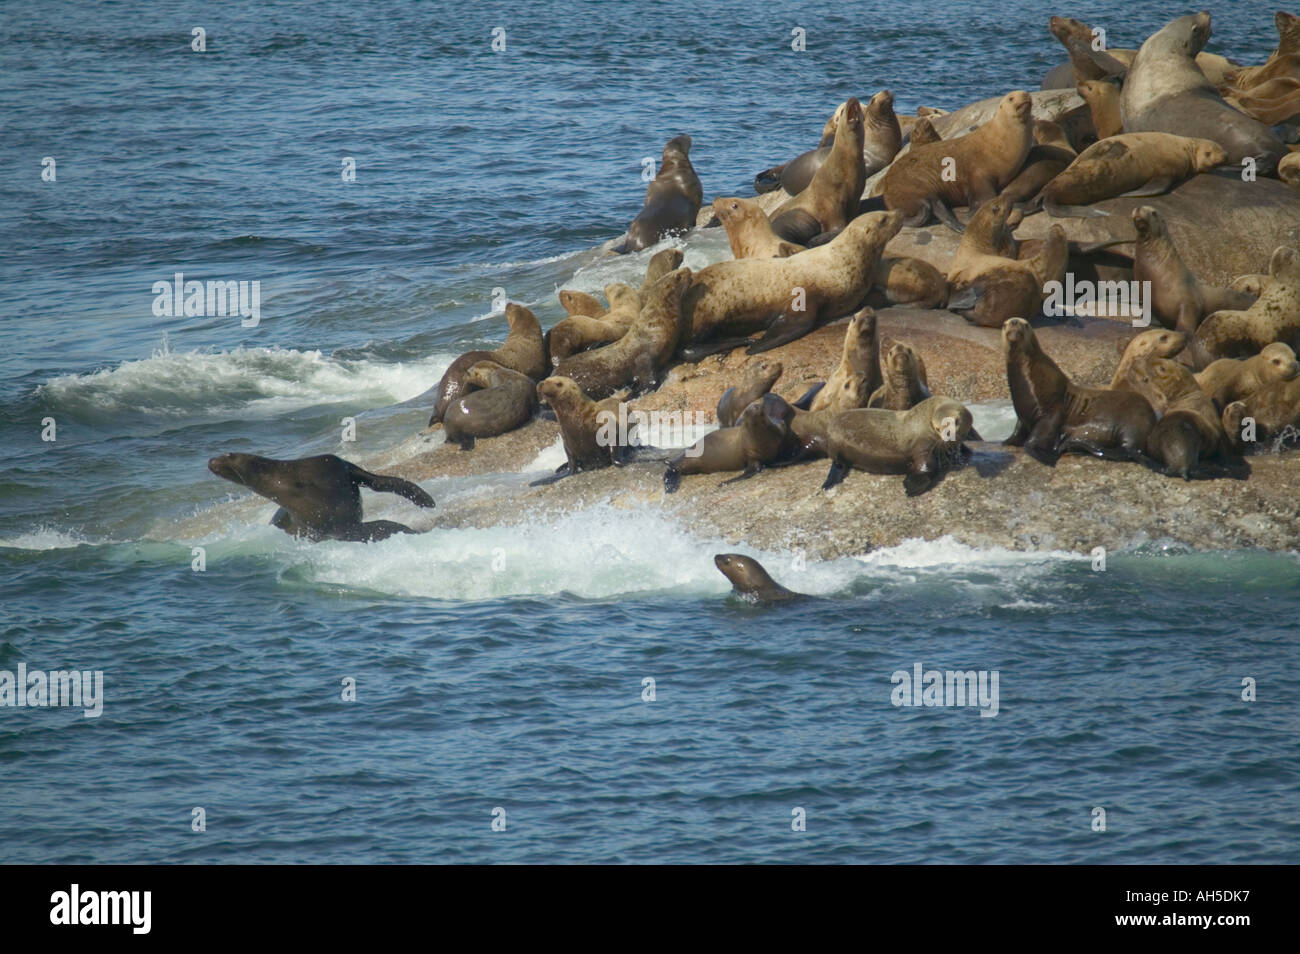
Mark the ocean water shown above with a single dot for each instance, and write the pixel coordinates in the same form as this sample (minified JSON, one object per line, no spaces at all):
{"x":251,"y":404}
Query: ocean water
{"x":479,"y":690}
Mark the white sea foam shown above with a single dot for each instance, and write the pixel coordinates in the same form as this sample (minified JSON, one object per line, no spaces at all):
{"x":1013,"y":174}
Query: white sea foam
{"x":45,"y":538}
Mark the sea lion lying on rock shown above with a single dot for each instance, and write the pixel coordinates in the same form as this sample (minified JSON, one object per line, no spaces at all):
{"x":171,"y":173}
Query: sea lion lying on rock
{"x":1189,"y":440}
{"x":1274,"y":317}
{"x":506,"y":400}
{"x":760,"y":437}
{"x":1228,"y":379}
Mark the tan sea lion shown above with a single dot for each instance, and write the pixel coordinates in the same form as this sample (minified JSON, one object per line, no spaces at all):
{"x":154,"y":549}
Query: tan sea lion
{"x":1269,"y":110}
{"x":1048,"y":158}
{"x":661,"y":263}
{"x":749,"y":230}
{"x":1274,"y":410}
{"x":760,"y":436}
{"x":581,"y":303}
{"x":672,"y":200}
{"x":832,"y":196}
{"x":583,"y":428}
{"x":1146,"y":163}
{"x":506,"y":400}
{"x":1055,"y":416}
{"x":637,"y":358}
{"x":922,"y":443}
{"x":577,"y":333}
{"x":1189,"y":440}
{"x":524,"y":351}
{"x":1229,"y":379}
{"x":1288,"y":170}
{"x":760,"y":376}
{"x":1165,"y":91}
{"x":785,"y":297}
{"x":904,"y":384}
{"x":1274,"y":317}
{"x":319,"y":497}
{"x":923,"y":132}
{"x":967,"y":170}
{"x":751,"y":581}
{"x":1115,"y":62}
{"x":1283,"y":61}
{"x":858,"y":374}
{"x":1159,"y":342}
{"x":908,"y":281}
{"x":1102,"y":97}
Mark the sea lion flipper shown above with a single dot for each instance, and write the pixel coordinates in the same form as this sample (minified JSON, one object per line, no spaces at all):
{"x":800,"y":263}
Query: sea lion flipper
{"x":1155,"y":186}
{"x":839,"y":469}
{"x":672,"y":479}
{"x":375,"y":530}
{"x":750,"y":470}
{"x":392,"y":485}
{"x":769,"y":180}
{"x":820,"y":239}
{"x":946,"y":215}
{"x":789,"y":327}
{"x":560,"y":473}
{"x":805,"y":402}
{"x":699,"y":352}
{"x":797,"y":226}
{"x":963,"y":300}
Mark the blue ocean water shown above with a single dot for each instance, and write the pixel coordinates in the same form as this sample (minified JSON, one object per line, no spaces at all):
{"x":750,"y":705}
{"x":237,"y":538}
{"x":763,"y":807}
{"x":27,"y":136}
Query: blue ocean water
{"x":523,"y":691}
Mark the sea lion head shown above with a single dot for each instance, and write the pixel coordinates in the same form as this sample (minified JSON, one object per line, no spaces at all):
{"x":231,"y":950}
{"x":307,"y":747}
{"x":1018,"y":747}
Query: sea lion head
{"x":1288,"y":29}
{"x":243,"y":469}
{"x":1160,"y":342}
{"x":733,"y":210}
{"x":483,"y":374}
{"x":1160,"y":380}
{"x":1187,"y":35}
{"x":950,"y":420}
{"x":923,"y":131}
{"x":746,"y":574}
{"x":572,"y":301}
{"x":1065,"y":27}
{"x":559,"y":391}
{"x":1231,"y":420}
{"x":880,"y":108}
{"x":1017,"y":106}
{"x":851,"y":119}
{"x":901,"y":360}
{"x":1018,"y":336}
{"x":1208,"y":154}
{"x":522,"y":321}
{"x":1284,"y":265}
{"x":1148,"y":222}
{"x":679,"y":147}
{"x":777,"y":409}
{"x":886,"y":224}
{"x":862,"y":326}
{"x":1280,"y":362}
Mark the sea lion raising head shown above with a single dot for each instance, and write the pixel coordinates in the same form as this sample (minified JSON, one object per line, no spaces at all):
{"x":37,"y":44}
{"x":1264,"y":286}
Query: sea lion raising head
{"x":751,"y":580}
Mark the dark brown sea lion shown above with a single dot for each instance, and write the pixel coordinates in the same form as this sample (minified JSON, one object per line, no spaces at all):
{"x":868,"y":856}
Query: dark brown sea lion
{"x":1165,"y":91}
{"x":1055,"y":416}
{"x":319,"y":497}
{"x":1228,"y":380}
{"x":524,"y":351}
{"x":831,"y":199}
{"x":794,"y":176}
{"x":1160,"y":342}
{"x":672,"y":200}
{"x":583,"y":429}
{"x":1274,"y":317}
{"x":505,"y":400}
{"x":760,"y":376}
{"x":922,"y":443}
{"x":1189,"y":440}
{"x":858,"y":374}
{"x":904,"y":385}
{"x":760,"y":437}
{"x":752,"y":581}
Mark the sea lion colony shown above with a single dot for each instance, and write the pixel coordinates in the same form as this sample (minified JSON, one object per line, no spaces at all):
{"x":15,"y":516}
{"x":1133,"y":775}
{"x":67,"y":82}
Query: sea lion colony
{"x":1216,"y":378}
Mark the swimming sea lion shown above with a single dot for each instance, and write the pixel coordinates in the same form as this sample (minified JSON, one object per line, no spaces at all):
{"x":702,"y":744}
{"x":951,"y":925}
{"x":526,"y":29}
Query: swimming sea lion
{"x":967,"y":170}
{"x":1055,"y":416}
{"x":524,"y":351}
{"x":1189,"y":440}
{"x":1158,"y":341}
{"x":507,"y":400}
{"x":858,"y":374}
{"x":749,"y":230}
{"x":1165,"y":91}
{"x":1228,"y":380}
{"x":672,"y":200}
{"x":904,"y":385}
{"x":785,"y":296}
{"x":1145,"y":163}
{"x":759,"y":377}
{"x":1102,"y":97}
{"x":639,"y":356}
{"x":922,"y":443}
{"x":1274,"y":317}
{"x":761,"y":436}
{"x":831,"y":199}
{"x":751,"y":581}
{"x":318,"y":496}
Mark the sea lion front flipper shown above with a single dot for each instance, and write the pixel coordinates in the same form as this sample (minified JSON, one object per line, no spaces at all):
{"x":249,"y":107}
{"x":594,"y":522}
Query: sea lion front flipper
{"x":769,"y":180}
{"x":839,"y":470}
{"x":972,"y":435}
{"x":698,"y":352}
{"x":374,"y":530}
{"x":1018,"y":436}
{"x":964,"y":300}
{"x":1092,"y":248}
{"x":805,"y":402}
{"x":1158,"y":185}
{"x":789,"y":327}
{"x":797,"y":226}
{"x":946,"y":215}
{"x":820,"y":239}
{"x":672,"y":479}
{"x":383,"y":484}
{"x":750,"y":470}
{"x":282,"y":520}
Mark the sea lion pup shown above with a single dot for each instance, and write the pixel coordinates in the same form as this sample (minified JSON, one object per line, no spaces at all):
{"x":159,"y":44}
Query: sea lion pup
{"x":759,"y":377}
{"x":637,"y":358}
{"x":1146,"y":163}
{"x":794,"y":176}
{"x":1288,"y":170}
{"x":1050,"y":155}
{"x":524,"y":351}
{"x":1165,"y":91}
{"x":672,"y":200}
{"x":832,"y":196}
{"x":1055,"y":416}
{"x":577,"y":333}
{"x":923,"y":132}
{"x":760,"y":437}
{"x":506,"y":400}
{"x":1189,"y":440}
{"x":1228,"y":380}
{"x":905,"y":384}
{"x":749,"y":230}
{"x":922,"y":443}
{"x":1274,"y":317}
{"x":858,"y":374}
{"x":1284,"y":60}
{"x":319,"y":497}
{"x":751,"y":581}
{"x":784,"y":297}
{"x":985,"y":286}
{"x":1159,"y":342}
{"x":590,"y":443}
{"x":967,"y":170}
{"x":1102,"y":97}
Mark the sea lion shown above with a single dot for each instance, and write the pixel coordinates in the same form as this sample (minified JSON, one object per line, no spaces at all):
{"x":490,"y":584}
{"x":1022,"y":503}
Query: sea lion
{"x":661,"y":263}
{"x":1102,"y":97}
{"x":1179,"y":299}
{"x":581,"y":303}
{"x":1284,"y":60}
{"x":908,"y":281}
{"x":583,"y":428}
{"x":639,"y":356}
{"x":507,"y":400}
{"x":786,"y":297}
{"x":1165,"y":91}
{"x":832,"y":196}
{"x":1050,"y":155}
{"x":904,"y":385}
{"x":672,"y":199}
{"x":882,"y":136}
{"x":319,"y":497}
{"x":1228,"y":380}
{"x":858,"y":374}
{"x":749,"y":230}
{"x":923,"y":132}
{"x":1055,"y":416}
{"x":1159,"y":342}
{"x":1274,"y":409}
{"x":1145,"y":163}
{"x":1275,"y":316}
{"x":1271,"y":110}
{"x":751,"y":581}
{"x":1288,"y":170}
{"x":759,"y":377}
{"x":1189,"y":440}
{"x":1079,"y":41}
{"x":922,"y":443}
{"x":794,"y":176}
{"x":577,"y":333}
{"x":986,"y":285}
{"x":761,"y":436}
{"x":967,"y":170}
{"x":524,"y":351}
